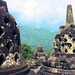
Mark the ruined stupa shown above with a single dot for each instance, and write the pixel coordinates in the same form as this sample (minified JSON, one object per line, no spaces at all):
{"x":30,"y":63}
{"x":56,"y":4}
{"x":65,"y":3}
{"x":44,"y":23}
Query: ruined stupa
{"x":11,"y":60}
{"x":62,"y":59}
{"x":39,"y":54}
{"x":38,"y":58}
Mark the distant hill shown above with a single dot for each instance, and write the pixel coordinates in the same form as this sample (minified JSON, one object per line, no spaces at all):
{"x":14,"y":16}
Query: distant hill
{"x":32,"y":37}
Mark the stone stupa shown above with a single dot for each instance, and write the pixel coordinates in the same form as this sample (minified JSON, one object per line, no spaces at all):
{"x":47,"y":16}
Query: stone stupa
{"x":62,"y":59}
{"x":38,"y":58}
{"x":39,"y":54}
{"x":11,"y":60}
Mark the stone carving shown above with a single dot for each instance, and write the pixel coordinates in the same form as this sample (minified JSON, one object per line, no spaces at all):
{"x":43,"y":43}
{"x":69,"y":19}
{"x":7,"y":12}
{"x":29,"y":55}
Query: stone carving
{"x":39,"y":54}
{"x":37,"y":59}
{"x":62,"y":59}
{"x":11,"y":60}
{"x":9,"y":35}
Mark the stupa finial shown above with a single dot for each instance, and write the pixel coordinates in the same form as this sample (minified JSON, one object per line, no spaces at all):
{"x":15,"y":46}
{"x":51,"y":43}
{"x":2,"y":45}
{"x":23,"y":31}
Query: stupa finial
{"x":69,"y":15}
{"x":39,"y":45}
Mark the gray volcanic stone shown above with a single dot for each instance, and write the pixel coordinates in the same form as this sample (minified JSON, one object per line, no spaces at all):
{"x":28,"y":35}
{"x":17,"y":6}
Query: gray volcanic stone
{"x":69,"y":16}
{"x":10,"y":47}
{"x":11,"y":59}
{"x":37,"y":59}
{"x":62,"y":59}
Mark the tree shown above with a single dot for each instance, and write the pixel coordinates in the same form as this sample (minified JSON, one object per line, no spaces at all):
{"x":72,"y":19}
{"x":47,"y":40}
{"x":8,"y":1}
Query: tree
{"x":48,"y":52}
{"x":27,"y":52}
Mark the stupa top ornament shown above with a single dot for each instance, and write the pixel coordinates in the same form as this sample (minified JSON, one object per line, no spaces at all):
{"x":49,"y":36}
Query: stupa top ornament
{"x":69,"y":15}
{"x":3,"y":7}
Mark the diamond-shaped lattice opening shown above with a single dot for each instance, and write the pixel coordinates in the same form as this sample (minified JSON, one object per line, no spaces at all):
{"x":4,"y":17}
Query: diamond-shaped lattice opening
{"x":66,"y":50}
{"x":63,"y":35}
{"x":16,"y":57}
{"x":59,"y":50}
{"x":65,"y":40}
{"x":57,"y":45}
{"x":6,"y":20}
{"x":74,"y":51}
{"x":70,"y":35}
{"x":1,"y":31}
{"x":9,"y":44}
{"x":73,"y":39}
{"x":69,"y":45}
{"x":2,"y":59}
{"x":60,"y":39}
{"x":62,"y":44}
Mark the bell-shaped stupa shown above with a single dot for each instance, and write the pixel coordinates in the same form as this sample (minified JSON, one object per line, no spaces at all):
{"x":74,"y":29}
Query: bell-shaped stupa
{"x":62,"y":59}
{"x":11,"y":60}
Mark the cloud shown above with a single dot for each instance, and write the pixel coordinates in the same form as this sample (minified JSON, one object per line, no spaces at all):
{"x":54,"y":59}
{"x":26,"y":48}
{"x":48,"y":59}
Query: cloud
{"x":51,"y":12}
{"x":31,"y":9}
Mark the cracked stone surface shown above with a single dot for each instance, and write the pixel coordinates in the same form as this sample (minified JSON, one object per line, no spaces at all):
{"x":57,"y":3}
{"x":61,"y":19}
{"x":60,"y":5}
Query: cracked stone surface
{"x":9,"y":36}
{"x":37,"y":59}
{"x":62,"y":59}
{"x":11,"y":59}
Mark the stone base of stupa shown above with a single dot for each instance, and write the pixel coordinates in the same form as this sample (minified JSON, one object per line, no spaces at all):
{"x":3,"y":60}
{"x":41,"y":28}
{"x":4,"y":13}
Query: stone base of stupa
{"x":16,"y":71}
{"x":59,"y":64}
{"x":14,"y":64}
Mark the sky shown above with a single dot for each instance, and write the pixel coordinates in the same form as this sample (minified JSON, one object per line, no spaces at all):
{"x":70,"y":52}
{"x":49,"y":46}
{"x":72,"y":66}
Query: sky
{"x":40,"y":14}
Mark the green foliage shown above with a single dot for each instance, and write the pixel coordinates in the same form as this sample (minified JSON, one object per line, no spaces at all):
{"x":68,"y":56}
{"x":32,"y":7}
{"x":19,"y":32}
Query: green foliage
{"x":48,"y":53}
{"x":27,"y":52}
{"x":32,"y":37}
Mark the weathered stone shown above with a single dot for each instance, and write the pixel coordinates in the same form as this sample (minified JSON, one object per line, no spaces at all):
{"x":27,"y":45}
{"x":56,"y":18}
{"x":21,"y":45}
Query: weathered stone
{"x":11,"y":60}
{"x":62,"y":59}
{"x":37,"y":59}
{"x":69,"y":16}
{"x":39,"y":54}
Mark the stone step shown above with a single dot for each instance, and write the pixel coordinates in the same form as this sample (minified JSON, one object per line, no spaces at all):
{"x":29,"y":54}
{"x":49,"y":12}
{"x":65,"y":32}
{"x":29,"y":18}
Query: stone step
{"x":21,"y":72}
{"x":56,"y":70}
{"x":62,"y":55}
{"x":60,"y":64}
{"x":46,"y":73}
{"x":14,"y":70}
